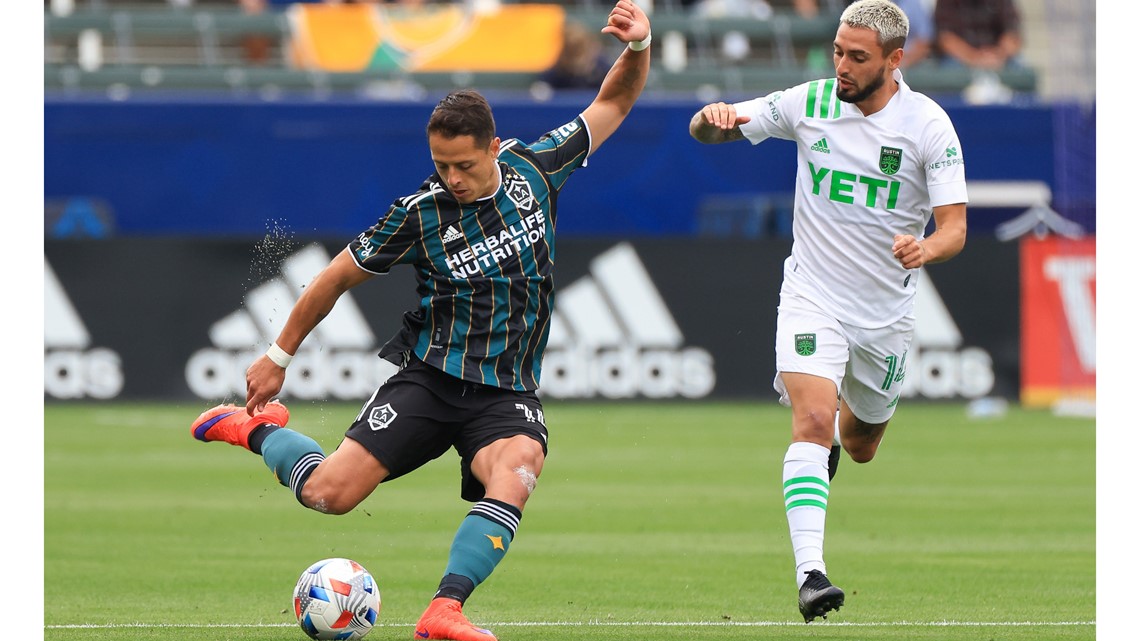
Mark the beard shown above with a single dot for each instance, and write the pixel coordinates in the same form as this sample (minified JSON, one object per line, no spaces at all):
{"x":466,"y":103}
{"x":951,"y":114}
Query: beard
{"x":859,"y":95}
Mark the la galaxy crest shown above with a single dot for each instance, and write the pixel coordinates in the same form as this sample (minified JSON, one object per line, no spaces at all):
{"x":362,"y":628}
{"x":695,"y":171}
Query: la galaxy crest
{"x":381,"y":417}
{"x":518,"y":190}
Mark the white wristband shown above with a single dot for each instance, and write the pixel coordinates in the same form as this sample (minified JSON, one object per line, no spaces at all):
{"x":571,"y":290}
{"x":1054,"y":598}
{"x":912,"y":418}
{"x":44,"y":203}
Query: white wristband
{"x":641,"y":45}
{"x":279,"y":356}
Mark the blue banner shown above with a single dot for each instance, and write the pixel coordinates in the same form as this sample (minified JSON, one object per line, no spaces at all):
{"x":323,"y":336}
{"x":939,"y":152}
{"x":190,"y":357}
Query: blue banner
{"x":226,"y":167}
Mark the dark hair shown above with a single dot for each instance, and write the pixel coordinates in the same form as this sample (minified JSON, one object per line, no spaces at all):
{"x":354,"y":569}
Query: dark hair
{"x":463,"y":113}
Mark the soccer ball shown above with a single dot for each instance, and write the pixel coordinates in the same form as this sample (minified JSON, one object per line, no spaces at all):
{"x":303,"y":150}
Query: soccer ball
{"x":336,"y":599}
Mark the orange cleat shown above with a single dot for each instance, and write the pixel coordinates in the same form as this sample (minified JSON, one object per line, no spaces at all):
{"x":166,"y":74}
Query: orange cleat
{"x":232,"y":424}
{"x":444,"y":620}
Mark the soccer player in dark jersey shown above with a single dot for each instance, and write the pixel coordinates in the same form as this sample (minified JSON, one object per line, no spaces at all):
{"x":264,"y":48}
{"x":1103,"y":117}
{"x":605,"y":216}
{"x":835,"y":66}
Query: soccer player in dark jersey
{"x":479,"y":233}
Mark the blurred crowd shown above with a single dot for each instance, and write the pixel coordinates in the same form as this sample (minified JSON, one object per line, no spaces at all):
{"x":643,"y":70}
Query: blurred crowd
{"x":983,"y":36}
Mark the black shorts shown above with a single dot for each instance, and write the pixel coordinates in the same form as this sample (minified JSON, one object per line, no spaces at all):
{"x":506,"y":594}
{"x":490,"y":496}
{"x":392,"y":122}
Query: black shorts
{"x":421,"y":412}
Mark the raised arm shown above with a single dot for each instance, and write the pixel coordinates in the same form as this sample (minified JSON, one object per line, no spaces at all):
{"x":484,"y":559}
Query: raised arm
{"x":626,"y":78}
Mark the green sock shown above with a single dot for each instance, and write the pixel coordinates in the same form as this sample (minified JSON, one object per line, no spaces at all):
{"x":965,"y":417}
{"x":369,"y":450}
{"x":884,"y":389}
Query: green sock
{"x":480,"y":543}
{"x":292,"y":457}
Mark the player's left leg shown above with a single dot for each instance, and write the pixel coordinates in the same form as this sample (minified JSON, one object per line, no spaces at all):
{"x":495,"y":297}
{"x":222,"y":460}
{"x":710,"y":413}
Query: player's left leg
{"x":860,"y":439}
{"x":870,"y":392}
{"x":836,"y":451}
{"x":503,"y":451}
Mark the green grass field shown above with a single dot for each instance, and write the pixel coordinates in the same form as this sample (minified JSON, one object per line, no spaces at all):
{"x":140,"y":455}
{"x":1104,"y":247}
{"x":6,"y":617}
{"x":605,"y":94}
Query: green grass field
{"x":650,"y":521}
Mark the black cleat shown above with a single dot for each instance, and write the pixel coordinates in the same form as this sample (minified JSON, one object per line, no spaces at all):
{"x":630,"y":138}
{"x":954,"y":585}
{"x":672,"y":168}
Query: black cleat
{"x":833,"y":461}
{"x":818,"y":596}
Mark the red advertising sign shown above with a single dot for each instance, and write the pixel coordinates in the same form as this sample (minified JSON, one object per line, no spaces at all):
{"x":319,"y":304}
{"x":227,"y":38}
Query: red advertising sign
{"x":1058,"y":321}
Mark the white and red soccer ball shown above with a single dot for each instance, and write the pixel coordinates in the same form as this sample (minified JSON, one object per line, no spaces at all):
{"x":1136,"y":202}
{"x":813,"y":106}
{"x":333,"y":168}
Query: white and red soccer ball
{"x":336,"y":599}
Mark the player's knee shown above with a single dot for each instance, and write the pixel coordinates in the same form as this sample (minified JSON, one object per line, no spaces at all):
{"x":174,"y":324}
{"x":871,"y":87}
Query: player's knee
{"x":521,"y":450}
{"x":327,"y":498}
{"x":521,"y":463}
{"x":861,"y":450}
{"x":862,"y":454}
{"x":815,"y":425}
{"x":528,"y":477}
{"x":862,"y":442}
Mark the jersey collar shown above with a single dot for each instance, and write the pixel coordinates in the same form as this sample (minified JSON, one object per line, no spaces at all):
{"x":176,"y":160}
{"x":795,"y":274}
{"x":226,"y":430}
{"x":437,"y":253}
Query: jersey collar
{"x":498,"y":188}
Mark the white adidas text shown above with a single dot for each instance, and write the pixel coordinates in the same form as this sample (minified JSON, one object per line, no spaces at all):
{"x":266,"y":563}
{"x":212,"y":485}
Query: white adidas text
{"x":338,"y":359}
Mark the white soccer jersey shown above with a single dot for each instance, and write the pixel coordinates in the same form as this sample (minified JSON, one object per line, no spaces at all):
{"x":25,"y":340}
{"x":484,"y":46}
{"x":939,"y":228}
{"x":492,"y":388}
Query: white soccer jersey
{"x":860,"y":180}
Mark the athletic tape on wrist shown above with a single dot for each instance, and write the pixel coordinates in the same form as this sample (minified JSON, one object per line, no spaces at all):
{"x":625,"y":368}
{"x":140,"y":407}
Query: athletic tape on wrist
{"x":641,"y":44}
{"x":279,"y":356}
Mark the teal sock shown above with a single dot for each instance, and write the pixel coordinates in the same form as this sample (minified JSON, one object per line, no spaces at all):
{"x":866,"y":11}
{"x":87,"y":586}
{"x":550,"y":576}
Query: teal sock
{"x":292,"y":457}
{"x":481,"y":541}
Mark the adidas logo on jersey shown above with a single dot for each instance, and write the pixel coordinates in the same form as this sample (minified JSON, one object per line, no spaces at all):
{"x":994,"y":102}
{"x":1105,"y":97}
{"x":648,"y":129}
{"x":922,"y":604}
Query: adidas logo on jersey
{"x":336,"y":360}
{"x":821,"y":146}
{"x":72,"y":368}
{"x":612,"y":336}
{"x":451,"y":234}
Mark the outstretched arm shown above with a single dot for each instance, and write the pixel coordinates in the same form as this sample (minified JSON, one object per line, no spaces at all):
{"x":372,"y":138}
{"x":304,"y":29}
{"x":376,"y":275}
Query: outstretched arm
{"x":717,"y":123}
{"x":626,"y":78}
{"x":264,"y":377}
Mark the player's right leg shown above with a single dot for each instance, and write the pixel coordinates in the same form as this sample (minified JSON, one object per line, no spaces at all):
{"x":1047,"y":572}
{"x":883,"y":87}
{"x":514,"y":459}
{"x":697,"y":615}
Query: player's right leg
{"x":811,"y":358}
{"x":807,"y":488}
{"x":290,"y":455}
{"x":231,"y":424}
{"x":343,"y":480}
{"x":333,"y":485}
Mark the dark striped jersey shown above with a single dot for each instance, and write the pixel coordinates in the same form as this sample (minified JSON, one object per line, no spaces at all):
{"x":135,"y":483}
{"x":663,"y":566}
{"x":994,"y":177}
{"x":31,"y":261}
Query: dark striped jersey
{"x":485,"y":271}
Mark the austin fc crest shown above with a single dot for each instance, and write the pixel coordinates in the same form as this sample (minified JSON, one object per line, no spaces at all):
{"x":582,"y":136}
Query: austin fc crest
{"x":381,"y":417}
{"x":805,"y":344}
{"x":890,"y":159}
{"x":518,"y":190}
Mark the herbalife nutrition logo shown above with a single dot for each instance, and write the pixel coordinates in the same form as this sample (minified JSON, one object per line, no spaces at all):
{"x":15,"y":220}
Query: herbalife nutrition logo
{"x":821,"y":146}
{"x":611,"y":335}
{"x":72,"y":368}
{"x":337,"y":359}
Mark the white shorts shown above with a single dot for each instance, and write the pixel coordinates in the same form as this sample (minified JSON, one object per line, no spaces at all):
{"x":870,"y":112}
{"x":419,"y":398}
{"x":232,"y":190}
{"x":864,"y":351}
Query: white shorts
{"x":866,"y":365}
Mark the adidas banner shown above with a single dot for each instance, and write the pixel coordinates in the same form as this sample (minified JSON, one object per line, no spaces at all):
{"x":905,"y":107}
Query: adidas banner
{"x":677,"y":318}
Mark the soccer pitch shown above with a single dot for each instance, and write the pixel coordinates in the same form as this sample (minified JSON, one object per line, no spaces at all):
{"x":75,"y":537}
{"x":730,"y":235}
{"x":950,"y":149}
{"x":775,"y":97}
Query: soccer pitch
{"x":650,"y":521}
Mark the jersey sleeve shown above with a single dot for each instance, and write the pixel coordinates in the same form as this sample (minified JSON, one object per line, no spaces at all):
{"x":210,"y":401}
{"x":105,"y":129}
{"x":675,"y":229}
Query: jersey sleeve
{"x":770,"y":116}
{"x":394,"y":238}
{"x":560,"y":151}
{"x":945,"y":162}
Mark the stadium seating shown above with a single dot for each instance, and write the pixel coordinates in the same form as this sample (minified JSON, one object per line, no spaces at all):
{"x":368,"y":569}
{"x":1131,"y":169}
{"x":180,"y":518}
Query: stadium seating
{"x":102,"y":46}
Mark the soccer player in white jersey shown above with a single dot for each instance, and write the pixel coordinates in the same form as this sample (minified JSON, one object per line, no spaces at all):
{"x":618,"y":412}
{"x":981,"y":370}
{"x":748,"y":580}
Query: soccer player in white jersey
{"x":875,"y":161}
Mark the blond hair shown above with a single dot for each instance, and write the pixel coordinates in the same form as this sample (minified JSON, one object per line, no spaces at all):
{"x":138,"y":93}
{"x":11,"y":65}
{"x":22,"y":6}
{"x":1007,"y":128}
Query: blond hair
{"x":883,"y":17}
